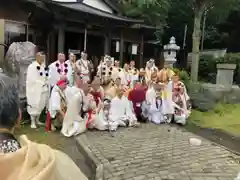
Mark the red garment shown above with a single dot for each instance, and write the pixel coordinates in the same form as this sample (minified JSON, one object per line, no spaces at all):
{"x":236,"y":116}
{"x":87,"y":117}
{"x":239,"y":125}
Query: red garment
{"x":137,"y":96}
{"x":48,"y":122}
{"x":90,"y":112}
{"x":61,"y":82}
{"x":97,"y":96}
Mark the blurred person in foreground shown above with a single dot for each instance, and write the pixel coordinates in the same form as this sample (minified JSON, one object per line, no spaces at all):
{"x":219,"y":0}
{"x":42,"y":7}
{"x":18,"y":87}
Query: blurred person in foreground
{"x":24,"y":159}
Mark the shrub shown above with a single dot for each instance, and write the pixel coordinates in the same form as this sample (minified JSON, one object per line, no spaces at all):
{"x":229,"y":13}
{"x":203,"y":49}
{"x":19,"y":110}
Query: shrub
{"x":207,"y":69}
{"x":183,"y":75}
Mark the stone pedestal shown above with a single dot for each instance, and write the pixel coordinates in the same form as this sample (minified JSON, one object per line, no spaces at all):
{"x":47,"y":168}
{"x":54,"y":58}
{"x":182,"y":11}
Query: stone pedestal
{"x":225,"y":74}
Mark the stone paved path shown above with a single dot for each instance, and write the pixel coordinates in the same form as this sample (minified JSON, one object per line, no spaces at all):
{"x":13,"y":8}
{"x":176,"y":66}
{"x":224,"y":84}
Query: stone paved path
{"x":154,"y":152}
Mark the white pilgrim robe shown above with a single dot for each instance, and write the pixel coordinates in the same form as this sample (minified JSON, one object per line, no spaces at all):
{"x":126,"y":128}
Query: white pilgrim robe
{"x":83,"y":69}
{"x":181,"y":119}
{"x":73,"y":123}
{"x":154,"y":107}
{"x":120,"y":112}
{"x":55,"y":101}
{"x":167,"y":100}
{"x":149,"y":72}
{"x":125,"y":77}
{"x":70,"y":92}
{"x":98,"y":120}
{"x":36,"y":89}
{"x":70,"y":73}
{"x":54,"y":75}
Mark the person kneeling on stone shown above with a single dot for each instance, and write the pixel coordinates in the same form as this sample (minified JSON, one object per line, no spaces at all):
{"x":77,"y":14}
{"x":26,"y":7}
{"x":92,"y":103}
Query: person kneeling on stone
{"x":120,"y":113}
{"x":181,"y":101}
{"x":57,"y":103}
{"x":94,"y":120}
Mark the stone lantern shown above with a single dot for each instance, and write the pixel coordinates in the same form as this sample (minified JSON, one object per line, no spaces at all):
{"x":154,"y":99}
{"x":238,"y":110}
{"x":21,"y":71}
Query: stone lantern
{"x":170,"y":52}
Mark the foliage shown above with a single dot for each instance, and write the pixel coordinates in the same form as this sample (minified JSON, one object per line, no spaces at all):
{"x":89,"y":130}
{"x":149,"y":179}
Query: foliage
{"x":183,"y":75}
{"x":153,"y":12}
{"x":207,"y":69}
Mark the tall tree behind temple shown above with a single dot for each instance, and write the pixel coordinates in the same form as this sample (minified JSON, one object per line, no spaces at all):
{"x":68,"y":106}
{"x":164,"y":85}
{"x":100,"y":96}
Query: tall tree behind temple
{"x":153,"y":12}
{"x":219,"y":9}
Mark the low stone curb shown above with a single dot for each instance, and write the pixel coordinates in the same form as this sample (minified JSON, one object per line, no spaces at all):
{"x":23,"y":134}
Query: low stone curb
{"x":92,"y":161}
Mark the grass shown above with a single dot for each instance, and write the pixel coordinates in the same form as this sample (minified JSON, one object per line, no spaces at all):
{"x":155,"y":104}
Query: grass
{"x":53,"y":139}
{"x":224,"y":117}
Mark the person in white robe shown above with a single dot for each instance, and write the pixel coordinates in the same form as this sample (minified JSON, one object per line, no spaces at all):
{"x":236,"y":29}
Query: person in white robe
{"x":121,"y":112}
{"x":105,"y":70}
{"x":58,"y":103}
{"x":150,"y":69}
{"x":181,"y":101}
{"x":116,"y":70}
{"x":95,"y":116}
{"x":154,"y":103}
{"x":57,"y":69}
{"x":84,"y":67}
{"x":74,"y":122}
{"x":125,"y":75}
{"x":165,"y":78}
{"x":167,"y":101}
{"x":134,"y":72}
{"x":37,"y":89}
{"x":71,"y":62}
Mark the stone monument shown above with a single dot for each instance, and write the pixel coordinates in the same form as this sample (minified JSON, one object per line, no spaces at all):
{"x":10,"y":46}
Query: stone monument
{"x":225,"y":74}
{"x":19,"y":56}
{"x":170,"y":52}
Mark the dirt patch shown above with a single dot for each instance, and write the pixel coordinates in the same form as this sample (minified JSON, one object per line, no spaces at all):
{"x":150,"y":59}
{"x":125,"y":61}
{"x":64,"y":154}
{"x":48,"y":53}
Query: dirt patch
{"x":57,"y":141}
{"x":216,"y":136}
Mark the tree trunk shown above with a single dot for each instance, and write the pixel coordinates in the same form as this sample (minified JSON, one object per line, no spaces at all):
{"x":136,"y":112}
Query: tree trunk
{"x":196,"y":36}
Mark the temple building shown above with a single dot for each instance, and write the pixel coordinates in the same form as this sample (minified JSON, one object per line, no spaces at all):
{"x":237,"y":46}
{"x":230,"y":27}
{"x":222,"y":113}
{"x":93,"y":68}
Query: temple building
{"x":96,"y":26}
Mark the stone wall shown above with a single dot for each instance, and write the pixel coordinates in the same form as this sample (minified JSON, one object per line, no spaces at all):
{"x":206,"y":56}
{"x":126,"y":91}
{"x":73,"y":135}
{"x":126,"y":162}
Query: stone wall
{"x":205,"y":96}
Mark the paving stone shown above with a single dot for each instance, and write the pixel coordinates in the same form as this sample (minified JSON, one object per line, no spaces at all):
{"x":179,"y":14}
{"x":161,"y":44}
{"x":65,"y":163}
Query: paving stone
{"x":160,"y":152}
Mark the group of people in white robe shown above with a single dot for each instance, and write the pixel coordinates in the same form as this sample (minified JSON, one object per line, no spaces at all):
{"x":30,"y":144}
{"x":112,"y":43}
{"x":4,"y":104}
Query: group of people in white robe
{"x":75,"y":104}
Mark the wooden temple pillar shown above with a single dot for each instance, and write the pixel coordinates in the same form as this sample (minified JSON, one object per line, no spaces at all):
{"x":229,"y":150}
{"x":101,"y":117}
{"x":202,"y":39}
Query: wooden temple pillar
{"x":85,"y":38}
{"x":107,"y":42}
{"x":2,"y":29}
{"x":121,"y":47}
{"x":61,"y":39}
{"x":141,"y":64}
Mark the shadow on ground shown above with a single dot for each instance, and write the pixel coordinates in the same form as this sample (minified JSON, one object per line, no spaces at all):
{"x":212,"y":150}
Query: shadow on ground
{"x":217,"y":136}
{"x":57,"y":141}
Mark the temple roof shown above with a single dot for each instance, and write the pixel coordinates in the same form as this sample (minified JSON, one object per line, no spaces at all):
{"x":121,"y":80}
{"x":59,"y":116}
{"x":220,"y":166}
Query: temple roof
{"x":78,"y":6}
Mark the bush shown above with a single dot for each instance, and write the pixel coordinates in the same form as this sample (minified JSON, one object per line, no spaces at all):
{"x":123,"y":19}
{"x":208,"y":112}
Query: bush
{"x":207,"y":69}
{"x":183,"y":75}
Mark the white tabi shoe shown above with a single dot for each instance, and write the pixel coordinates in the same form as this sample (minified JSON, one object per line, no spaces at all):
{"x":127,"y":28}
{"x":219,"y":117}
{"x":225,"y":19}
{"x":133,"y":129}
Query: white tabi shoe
{"x":33,"y":122}
{"x":33,"y":126}
{"x":38,"y":122}
{"x":53,"y":127}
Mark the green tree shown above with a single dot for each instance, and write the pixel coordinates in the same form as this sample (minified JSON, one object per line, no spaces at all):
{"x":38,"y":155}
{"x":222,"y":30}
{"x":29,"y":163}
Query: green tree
{"x":153,"y":12}
{"x":219,"y":9}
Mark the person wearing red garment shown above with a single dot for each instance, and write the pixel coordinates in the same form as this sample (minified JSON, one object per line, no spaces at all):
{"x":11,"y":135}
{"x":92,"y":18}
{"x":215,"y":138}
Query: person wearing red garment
{"x":137,"y":97}
{"x":95,"y":106}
